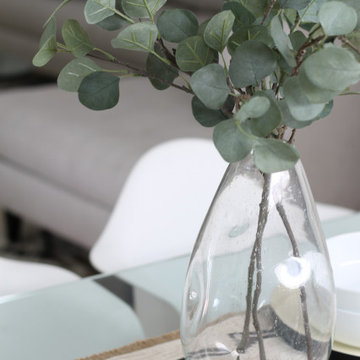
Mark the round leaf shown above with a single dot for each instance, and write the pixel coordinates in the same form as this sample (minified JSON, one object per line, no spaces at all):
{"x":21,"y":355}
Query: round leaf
{"x":73,"y":73}
{"x":310,"y":13}
{"x":337,"y":18}
{"x":161,"y":75}
{"x":243,"y":17}
{"x":232,"y":144}
{"x":177,"y":25}
{"x":282,"y":41}
{"x":46,"y":53}
{"x":252,"y":32}
{"x":99,"y":91}
{"x":251,"y":62}
{"x":256,"y":7}
{"x":332,"y":68}
{"x":271,"y":155}
{"x":142,"y":8}
{"x":256,"y":107}
{"x":112,"y":23}
{"x":76,"y":39}
{"x":193,"y":53}
{"x":98,"y":10}
{"x":49,"y":31}
{"x":205,"y":116}
{"x":289,"y":120}
{"x":294,"y":4}
{"x":218,"y":30}
{"x":209,"y":85}
{"x":140,"y":36}
{"x":299,"y":105}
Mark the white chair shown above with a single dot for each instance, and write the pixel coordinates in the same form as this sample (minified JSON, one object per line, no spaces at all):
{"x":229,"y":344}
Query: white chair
{"x":162,"y":205}
{"x":22,"y":276}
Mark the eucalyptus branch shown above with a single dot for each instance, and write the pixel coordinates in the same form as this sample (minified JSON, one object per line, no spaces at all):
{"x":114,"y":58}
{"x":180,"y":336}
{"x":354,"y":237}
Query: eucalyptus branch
{"x":166,"y":52}
{"x":296,"y":253}
{"x":292,"y":137}
{"x":268,"y":11}
{"x":349,"y":43}
{"x":255,"y":259}
{"x":301,"y":52}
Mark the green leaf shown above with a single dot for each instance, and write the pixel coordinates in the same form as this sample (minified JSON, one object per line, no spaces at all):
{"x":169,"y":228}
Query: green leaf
{"x":142,"y":8}
{"x":202,"y":27}
{"x":98,"y":10}
{"x":49,"y":31}
{"x":271,"y":155}
{"x":289,"y":120}
{"x":263,"y":125}
{"x":257,"y":7}
{"x":99,"y":91}
{"x":243,"y":17}
{"x":314,"y":93}
{"x":232,"y":144}
{"x":161,"y":75}
{"x":76,"y":39}
{"x":46,"y":53}
{"x":176,"y":25}
{"x":218,"y":29}
{"x":337,"y":18}
{"x":205,"y":116}
{"x":332,"y":68}
{"x":294,"y":4}
{"x":193,"y":53}
{"x":74,"y":72}
{"x":299,"y":105}
{"x":310,"y":13}
{"x":252,"y":32}
{"x":297,"y":39}
{"x":282,"y":41}
{"x":251,"y":62}
{"x":209,"y":85}
{"x":256,"y":107}
{"x":140,"y":36}
{"x":355,"y":4}
{"x":114,"y":22}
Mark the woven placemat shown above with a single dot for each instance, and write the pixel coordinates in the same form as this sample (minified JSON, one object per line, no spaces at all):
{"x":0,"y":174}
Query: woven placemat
{"x":138,"y":345}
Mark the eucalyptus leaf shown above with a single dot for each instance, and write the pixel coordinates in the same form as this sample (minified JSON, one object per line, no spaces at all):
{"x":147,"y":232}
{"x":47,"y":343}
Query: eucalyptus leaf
{"x":176,"y":25}
{"x":297,"y":39}
{"x":49,"y":31}
{"x":76,"y":38}
{"x":332,"y":68}
{"x":271,"y":155}
{"x":314,"y":93}
{"x":202,"y":27}
{"x":251,"y":32}
{"x":282,"y":41}
{"x":263,"y":125}
{"x":256,"y":107}
{"x":337,"y":18}
{"x":193,"y":54}
{"x":99,"y":91}
{"x":161,"y":75}
{"x":243,"y":17}
{"x":74,"y":72}
{"x":294,"y":4}
{"x":299,"y":105}
{"x":232,"y":143}
{"x":98,"y":10}
{"x":355,"y":4}
{"x":209,"y":85}
{"x":289,"y":120}
{"x":310,"y":13}
{"x":142,"y":8}
{"x":257,"y":7}
{"x":218,"y":29}
{"x":205,"y":116}
{"x":114,"y":22}
{"x":47,"y":51}
{"x":251,"y":63}
{"x":140,"y":36}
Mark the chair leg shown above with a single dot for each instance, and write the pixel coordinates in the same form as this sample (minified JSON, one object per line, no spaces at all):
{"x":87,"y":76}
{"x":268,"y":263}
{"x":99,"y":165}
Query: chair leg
{"x":13,"y":226}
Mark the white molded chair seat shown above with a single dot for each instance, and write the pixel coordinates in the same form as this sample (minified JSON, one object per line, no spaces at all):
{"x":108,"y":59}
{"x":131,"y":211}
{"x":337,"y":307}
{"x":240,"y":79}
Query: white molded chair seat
{"x":23,"y":276}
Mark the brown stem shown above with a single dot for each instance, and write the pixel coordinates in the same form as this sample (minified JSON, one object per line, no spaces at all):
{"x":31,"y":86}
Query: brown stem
{"x":292,"y":137}
{"x":268,"y":11}
{"x":255,"y":259}
{"x":303,"y":300}
{"x":349,"y":43}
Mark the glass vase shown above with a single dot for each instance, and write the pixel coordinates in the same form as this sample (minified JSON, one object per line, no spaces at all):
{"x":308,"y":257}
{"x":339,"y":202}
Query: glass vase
{"x":259,"y":283}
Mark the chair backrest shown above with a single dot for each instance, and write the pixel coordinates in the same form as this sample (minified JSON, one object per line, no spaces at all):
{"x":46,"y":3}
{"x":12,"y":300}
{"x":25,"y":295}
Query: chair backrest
{"x":162,"y":205}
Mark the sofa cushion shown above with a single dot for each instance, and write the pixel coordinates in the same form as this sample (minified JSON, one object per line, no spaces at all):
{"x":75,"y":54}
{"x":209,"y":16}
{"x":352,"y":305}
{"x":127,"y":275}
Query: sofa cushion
{"x":49,"y":134}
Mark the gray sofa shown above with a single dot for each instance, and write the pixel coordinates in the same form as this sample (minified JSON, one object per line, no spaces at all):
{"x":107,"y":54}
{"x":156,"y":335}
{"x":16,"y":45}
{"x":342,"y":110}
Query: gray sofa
{"x":62,"y":165}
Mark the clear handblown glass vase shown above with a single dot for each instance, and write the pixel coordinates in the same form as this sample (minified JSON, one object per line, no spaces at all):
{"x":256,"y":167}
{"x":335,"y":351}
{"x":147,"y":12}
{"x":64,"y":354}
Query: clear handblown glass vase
{"x":259,"y":283}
